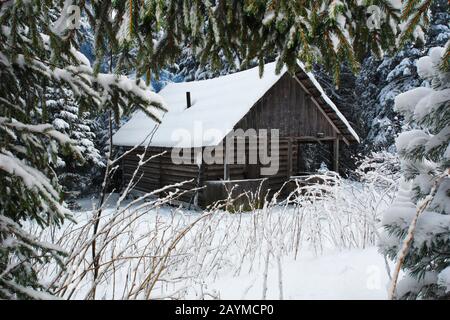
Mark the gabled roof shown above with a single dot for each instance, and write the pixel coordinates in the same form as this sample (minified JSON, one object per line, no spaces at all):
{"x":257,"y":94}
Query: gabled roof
{"x":330,"y":110}
{"x":217,"y":105}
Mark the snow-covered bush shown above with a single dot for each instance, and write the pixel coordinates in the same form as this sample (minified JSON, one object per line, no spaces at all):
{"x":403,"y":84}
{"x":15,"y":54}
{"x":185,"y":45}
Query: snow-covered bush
{"x":147,"y":249}
{"x":421,"y":213}
{"x":380,"y":169}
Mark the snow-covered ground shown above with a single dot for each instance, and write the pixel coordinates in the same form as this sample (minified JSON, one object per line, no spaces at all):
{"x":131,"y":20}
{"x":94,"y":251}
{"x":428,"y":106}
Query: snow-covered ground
{"x":321,"y":247}
{"x":340,"y":274}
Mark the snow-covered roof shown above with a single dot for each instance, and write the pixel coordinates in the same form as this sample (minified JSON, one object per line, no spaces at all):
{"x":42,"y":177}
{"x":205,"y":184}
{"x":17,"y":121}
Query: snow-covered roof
{"x":217,"y":105}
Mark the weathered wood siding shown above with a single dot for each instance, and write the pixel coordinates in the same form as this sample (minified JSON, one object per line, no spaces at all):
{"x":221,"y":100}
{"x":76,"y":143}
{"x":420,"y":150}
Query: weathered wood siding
{"x":250,"y":171}
{"x":159,"y":172}
{"x":288,"y":108}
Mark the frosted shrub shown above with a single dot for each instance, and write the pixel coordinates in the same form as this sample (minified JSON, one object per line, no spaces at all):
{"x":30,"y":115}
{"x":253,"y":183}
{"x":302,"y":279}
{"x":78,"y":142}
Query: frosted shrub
{"x":147,"y":249}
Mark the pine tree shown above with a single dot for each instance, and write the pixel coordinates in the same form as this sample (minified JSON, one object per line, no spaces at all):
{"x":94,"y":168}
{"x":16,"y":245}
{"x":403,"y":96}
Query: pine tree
{"x":381,"y":80}
{"x":65,"y":115}
{"x":189,"y":68}
{"x":38,"y":52}
{"x":425,"y":158}
{"x":326,"y":31}
{"x":418,"y":224}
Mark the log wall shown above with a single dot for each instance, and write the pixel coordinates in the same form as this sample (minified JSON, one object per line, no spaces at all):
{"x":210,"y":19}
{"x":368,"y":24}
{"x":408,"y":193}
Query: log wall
{"x":160,"y":171}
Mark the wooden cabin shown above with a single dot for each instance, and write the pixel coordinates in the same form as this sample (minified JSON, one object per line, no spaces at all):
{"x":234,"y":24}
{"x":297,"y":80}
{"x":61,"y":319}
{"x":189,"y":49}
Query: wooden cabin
{"x":203,"y":114}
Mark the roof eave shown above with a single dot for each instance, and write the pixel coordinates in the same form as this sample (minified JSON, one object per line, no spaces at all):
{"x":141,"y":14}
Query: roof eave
{"x":350,"y":136}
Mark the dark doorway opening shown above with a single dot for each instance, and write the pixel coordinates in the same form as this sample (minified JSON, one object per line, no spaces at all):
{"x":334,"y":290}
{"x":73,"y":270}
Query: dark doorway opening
{"x":312,"y":156}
